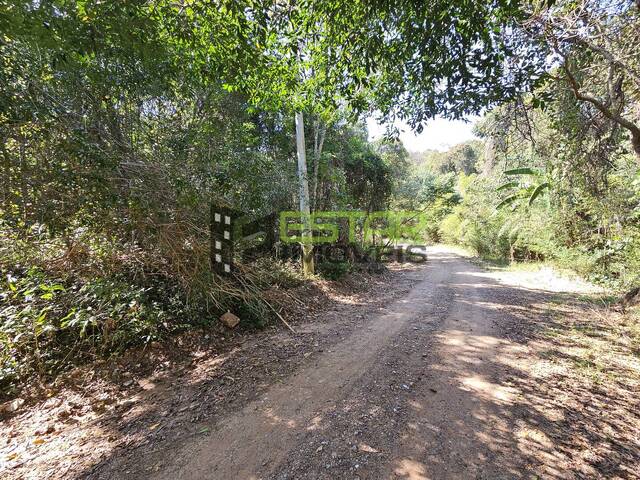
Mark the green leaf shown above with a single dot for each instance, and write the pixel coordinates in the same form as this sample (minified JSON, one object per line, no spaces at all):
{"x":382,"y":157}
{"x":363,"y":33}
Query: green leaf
{"x":65,"y":321}
{"x":507,"y":201}
{"x":506,"y":186}
{"x":538,"y":191}
{"x":522,"y":171}
{"x":42,"y":317}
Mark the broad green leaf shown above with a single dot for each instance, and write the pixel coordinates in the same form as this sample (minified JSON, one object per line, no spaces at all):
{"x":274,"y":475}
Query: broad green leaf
{"x":506,"y":186}
{"x":507,"y":201}
{"x":538,"y":191}
{"x":522,"y":171}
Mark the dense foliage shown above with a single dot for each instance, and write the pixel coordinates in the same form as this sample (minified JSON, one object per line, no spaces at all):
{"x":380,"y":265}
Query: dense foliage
{"x":556,"y":176}
{"x":122,"y":122}
{"x":560,"y":184}
{"x":115,"y":143}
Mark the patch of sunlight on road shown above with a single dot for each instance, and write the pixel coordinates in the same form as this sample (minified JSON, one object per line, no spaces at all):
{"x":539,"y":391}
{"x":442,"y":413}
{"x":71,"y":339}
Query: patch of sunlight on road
{"x":544,"y":278}
{"x":411,"y":470}
{"x":315,"y":423}
{"x":488,"y":390}
{"x":458,"y":338}
{"x":275,"y":419}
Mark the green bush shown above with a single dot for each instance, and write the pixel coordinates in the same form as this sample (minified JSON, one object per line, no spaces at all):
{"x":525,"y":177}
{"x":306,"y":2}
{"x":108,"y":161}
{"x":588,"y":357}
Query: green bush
{"x":48,"y":322}
{"x":450,"y":228}
{"x":64,"y":304}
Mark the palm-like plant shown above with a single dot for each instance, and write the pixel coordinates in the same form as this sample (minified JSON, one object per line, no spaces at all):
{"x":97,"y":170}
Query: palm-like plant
{"x":530,"y":184}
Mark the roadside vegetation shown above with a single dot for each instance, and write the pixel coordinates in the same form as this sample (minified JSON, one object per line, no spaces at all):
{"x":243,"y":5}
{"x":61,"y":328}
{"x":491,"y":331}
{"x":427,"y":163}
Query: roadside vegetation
{"x":121,"y":124}
{"x":479,"y":195}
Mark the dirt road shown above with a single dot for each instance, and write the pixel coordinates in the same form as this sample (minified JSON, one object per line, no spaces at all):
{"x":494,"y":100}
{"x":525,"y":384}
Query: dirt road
{"x":425,"y":390}
{"x":444,"y":370}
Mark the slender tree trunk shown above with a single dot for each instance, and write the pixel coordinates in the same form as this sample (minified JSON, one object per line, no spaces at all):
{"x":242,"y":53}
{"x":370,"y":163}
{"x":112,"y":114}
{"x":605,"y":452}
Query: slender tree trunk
{"x":23,"y":179}
{"x":318,"y":144}
{"x":6,"y":182}
{"x":314,"y":201}
{"x":303,"y":182}
{"x":635,"y":142}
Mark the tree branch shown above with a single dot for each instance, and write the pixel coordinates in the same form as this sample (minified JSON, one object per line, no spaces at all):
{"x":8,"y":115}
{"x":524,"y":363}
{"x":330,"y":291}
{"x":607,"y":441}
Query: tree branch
{"x":602,"y":107}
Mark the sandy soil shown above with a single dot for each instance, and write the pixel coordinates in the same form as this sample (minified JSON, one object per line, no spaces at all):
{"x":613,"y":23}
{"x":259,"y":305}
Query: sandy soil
{"x":444,"y":371}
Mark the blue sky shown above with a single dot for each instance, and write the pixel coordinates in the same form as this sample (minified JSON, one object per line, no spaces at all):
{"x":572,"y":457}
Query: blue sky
{"x":439,"y":134}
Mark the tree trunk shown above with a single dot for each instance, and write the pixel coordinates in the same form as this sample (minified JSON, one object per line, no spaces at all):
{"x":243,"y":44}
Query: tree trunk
{"x":6,"y":183}
{"x":635,"y":142}
{"x":303,"y":182}
{"x":319,"y":135}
